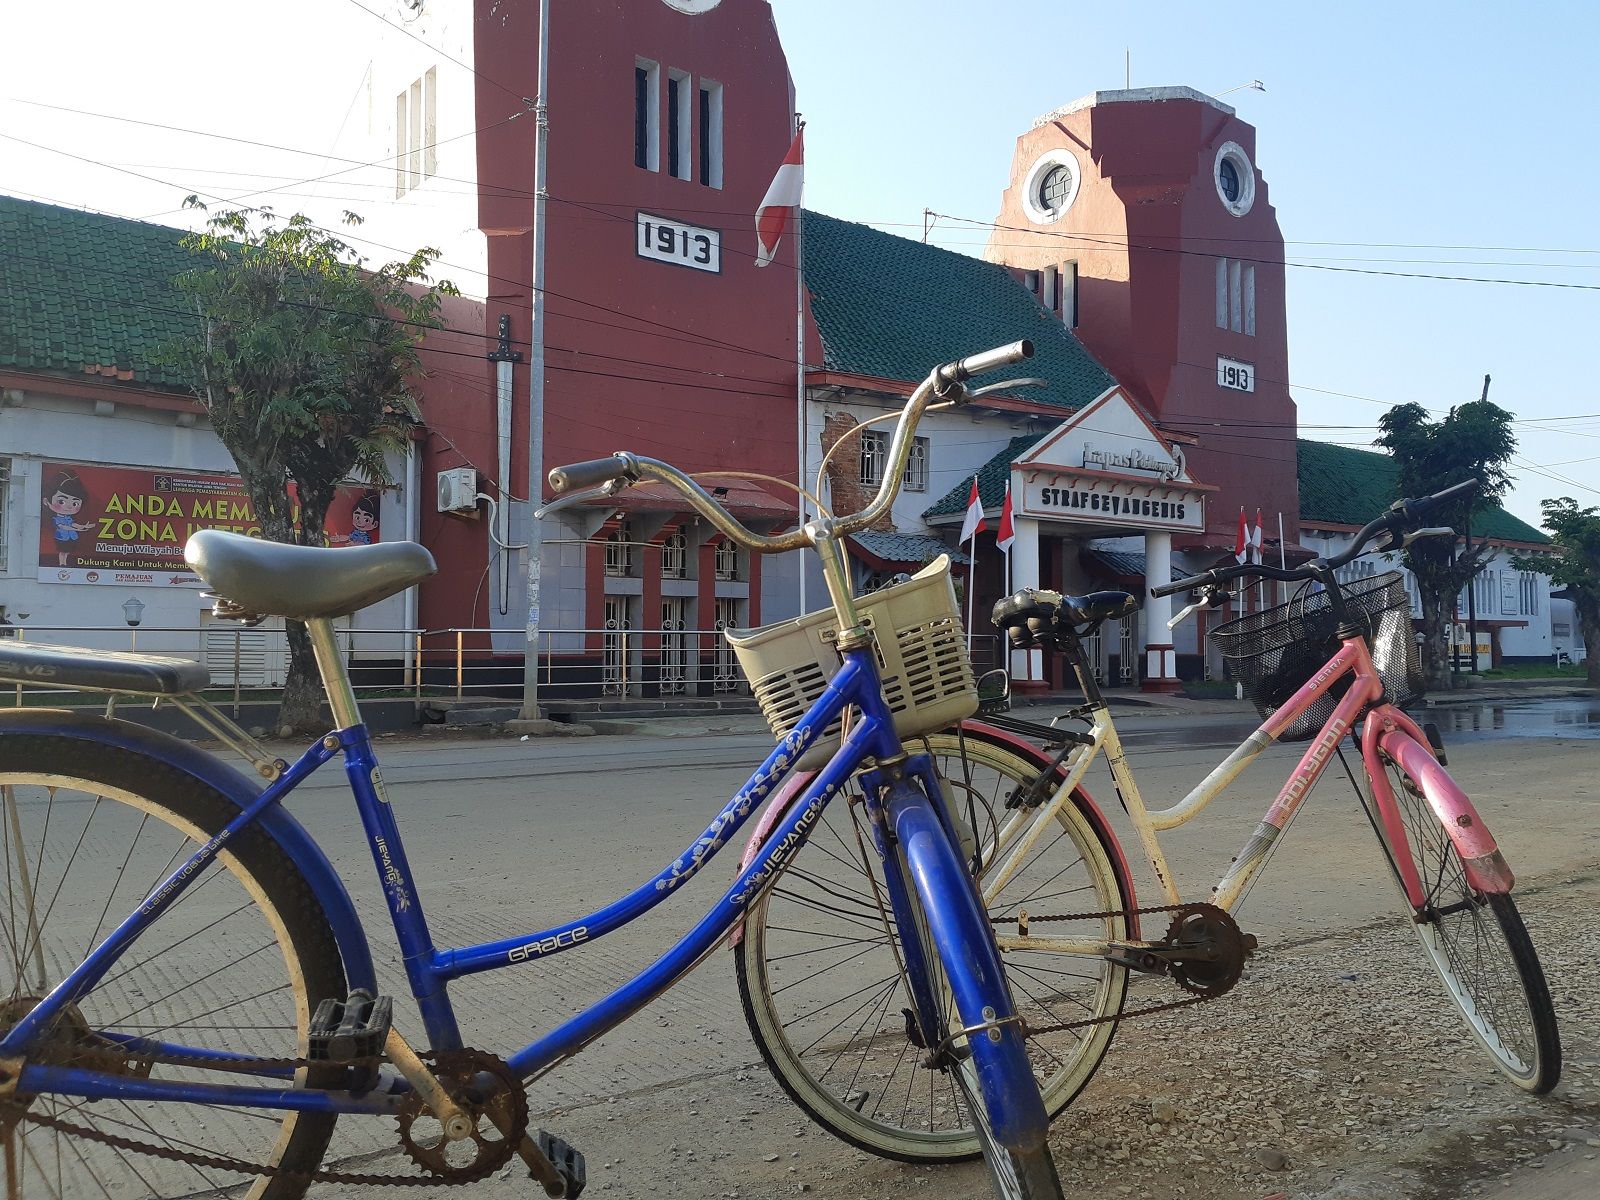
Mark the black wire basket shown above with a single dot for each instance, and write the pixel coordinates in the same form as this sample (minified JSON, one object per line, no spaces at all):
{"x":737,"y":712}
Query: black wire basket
{"x":1275,"y":651}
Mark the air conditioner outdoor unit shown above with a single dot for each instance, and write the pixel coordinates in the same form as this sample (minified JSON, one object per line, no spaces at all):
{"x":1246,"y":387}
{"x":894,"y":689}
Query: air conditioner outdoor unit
{"x":458,"y":490}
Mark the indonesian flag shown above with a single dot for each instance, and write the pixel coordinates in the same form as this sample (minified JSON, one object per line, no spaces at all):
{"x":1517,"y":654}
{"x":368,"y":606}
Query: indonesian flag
{"x":1255,"y":538}
{"x":1006,"y":534}
{"x":1242,"y":543}
{"x":781,"y":202}
{"x":973,"y":525}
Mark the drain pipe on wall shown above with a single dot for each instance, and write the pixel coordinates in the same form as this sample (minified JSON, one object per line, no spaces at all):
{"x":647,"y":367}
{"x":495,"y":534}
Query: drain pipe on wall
{"x":408,"y":620}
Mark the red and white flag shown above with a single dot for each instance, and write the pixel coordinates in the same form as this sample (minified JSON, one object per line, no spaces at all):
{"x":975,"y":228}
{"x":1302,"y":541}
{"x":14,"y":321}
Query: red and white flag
{"x":1255,"y":538}
{"x":1007,"y":533}
{"x":1241,"y":543}
{"x":782,"y":201}
{"x":973,"y":525}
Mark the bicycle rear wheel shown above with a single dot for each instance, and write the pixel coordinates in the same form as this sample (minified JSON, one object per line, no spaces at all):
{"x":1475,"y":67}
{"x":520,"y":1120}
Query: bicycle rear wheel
{"x":237,"y":964}
{"x":820,"y":973}
{"x":1478,"y":945}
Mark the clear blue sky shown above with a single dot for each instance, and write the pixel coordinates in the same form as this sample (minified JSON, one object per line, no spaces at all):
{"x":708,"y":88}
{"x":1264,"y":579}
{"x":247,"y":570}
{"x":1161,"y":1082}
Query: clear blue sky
{"x":1424,"y":132}
{"x":1425,"y":137}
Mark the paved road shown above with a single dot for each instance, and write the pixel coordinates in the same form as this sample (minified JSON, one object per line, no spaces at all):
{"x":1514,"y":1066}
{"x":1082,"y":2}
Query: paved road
{"x":507,"y":837}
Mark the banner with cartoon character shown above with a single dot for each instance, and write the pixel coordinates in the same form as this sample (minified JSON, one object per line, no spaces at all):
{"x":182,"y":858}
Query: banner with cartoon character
{"x":127,"y":525}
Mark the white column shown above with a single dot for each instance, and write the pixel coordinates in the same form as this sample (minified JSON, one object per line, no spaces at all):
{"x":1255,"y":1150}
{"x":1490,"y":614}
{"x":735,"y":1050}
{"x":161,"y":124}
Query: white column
{"x":1161,"y":665}
{"x":1026,"y":665}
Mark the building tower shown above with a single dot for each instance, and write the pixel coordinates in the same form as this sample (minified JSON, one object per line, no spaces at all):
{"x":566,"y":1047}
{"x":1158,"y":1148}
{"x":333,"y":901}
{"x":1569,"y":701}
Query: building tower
{"x":1141,"y":217}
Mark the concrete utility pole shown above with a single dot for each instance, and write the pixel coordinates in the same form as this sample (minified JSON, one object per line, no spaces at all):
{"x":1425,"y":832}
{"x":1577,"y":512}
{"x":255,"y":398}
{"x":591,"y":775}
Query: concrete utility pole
{"x":535,"y":537}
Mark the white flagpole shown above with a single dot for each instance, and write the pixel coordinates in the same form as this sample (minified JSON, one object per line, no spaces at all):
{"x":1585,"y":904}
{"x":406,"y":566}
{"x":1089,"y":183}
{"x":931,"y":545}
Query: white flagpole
{"x":800,"y":362}
{"x":1283,"y":559}
{"x":972,"y":585}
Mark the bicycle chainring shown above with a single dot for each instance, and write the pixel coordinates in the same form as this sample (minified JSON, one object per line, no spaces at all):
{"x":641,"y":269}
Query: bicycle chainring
{"x":500,"y":1118}
{"x":1209,"y":928}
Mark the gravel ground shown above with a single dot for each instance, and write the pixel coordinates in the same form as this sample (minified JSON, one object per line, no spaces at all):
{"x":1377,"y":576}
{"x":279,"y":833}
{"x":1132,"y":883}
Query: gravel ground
{"x":1337,"y":1070}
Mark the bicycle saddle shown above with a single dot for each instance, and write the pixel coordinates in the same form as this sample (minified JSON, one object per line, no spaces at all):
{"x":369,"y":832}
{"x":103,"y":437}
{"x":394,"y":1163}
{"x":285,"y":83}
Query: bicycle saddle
{"x":1035,"y":613}
{"x":271,"y":579}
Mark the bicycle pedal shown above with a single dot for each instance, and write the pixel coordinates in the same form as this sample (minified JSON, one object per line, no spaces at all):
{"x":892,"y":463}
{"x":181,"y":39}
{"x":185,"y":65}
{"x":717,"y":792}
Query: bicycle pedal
{"x":343,"y":1031}
{"x":568,"y":1162}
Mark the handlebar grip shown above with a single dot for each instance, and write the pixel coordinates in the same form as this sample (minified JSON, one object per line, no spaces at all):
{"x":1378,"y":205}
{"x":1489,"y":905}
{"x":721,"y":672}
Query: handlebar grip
{"x":1182,"y":585}
{"x":988,"y":360}
{"x":589,"y":474}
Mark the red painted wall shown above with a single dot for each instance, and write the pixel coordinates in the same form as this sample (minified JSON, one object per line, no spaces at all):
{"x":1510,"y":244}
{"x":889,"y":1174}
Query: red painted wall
{"x":459,"y":431}
{"x":679,"y":364}
{"x":1146,"y":230}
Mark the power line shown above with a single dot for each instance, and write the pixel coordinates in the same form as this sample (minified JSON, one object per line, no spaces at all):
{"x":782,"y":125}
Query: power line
{"x":1272,"y":262}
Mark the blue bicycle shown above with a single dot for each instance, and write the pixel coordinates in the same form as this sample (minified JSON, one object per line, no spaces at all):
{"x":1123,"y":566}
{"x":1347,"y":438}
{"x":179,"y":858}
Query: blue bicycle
{"x":192,"y":1001}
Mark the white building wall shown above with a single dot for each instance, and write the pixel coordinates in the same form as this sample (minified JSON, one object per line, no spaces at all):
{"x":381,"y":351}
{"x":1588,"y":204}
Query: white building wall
{"x":45,"y":428}
{"x":1502,"y":594}
{"x":441,"y":210}
{"x":1566,"y":635}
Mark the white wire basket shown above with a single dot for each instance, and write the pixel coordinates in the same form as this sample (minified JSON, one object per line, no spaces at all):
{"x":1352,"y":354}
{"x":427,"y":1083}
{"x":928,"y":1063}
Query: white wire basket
{"x":921,"y":651}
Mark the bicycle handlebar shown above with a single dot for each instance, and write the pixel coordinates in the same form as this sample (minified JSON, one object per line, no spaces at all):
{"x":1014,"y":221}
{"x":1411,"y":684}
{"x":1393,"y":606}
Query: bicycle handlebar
{"x":1399,"y":515}
{"x":943,"y":382}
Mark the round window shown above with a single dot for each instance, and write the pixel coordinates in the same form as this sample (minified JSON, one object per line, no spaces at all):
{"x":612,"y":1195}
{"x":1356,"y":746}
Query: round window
{"x":1228,"y":178}
{"x":1235,"y":178}
{"x":1051,"y":186}
{"x":1055,"y":190}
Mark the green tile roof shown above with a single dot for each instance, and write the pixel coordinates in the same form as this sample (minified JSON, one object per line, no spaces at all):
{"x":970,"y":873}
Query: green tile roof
{"x":905,"y":547}
{"x":81,"y":290}
{"x":991,"y":479}
{"x":893,"y":308}
{"x":1347,"y":486}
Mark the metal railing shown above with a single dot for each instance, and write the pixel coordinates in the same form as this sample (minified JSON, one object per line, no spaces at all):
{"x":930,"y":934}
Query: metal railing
{"x":444,"y":667}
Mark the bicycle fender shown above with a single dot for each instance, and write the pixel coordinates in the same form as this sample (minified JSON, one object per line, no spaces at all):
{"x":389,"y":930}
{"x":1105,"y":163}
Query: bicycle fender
{"x":1486,"y":868}
{"x":278,"y":822}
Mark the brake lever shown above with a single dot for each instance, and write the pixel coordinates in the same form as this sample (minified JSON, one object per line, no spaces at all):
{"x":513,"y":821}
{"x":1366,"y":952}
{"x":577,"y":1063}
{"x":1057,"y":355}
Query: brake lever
{"x":1211,"y":596}
{"x":1432,"y":531}
{"x":610,"y":488}
{"x":1005,"y":384}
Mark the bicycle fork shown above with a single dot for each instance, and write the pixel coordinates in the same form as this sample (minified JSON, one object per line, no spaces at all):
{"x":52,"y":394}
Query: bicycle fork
{"x":929,"y":888}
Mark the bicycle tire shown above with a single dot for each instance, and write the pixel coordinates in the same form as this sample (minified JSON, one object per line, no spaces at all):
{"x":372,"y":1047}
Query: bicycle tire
{"x":94,"y":827}
{"x":1498,"y":986}
{"x":832,"y":1093}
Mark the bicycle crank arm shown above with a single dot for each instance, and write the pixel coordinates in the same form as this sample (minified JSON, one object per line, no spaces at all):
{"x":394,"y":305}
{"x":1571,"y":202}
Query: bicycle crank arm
{"x":457,"y":1125}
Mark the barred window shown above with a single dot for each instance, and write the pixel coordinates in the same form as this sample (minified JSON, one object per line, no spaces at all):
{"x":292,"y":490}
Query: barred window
{"x":875,"y":460}
{"x":619,"y":551}
{"x":727,"y":560}
{"x":916,"y":478}
{"x":874,"y":454}
{"x":675,"y":556}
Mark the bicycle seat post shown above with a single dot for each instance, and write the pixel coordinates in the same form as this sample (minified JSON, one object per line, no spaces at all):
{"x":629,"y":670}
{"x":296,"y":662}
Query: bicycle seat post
{"x":335,"y":677}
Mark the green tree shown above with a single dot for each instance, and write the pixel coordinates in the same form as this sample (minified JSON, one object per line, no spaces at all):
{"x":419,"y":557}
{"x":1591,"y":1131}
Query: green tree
{"x":1472,"y":441}
{"x":303,"y":360}
{"x":1576,"y":533}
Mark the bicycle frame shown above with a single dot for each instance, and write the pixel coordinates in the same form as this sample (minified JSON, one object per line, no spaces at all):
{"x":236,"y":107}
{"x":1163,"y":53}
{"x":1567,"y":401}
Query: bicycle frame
{"x":429,"y":969}
{"x":1386,"y":732}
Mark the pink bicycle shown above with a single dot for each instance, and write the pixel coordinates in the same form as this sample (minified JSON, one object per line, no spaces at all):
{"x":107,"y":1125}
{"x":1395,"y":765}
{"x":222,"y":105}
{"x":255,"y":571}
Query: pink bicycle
{"x":1333,"y":665}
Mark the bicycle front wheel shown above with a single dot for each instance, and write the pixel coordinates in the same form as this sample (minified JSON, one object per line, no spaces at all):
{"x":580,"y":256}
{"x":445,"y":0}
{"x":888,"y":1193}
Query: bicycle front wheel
{"x":820,"y":973}
{"x":1478,"y":945}
{"x":235,"y":966}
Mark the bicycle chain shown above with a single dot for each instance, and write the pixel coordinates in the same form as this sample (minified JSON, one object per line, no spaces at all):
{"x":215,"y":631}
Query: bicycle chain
{"x":318,"y":1175}
{"x":1123,"y":1014}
